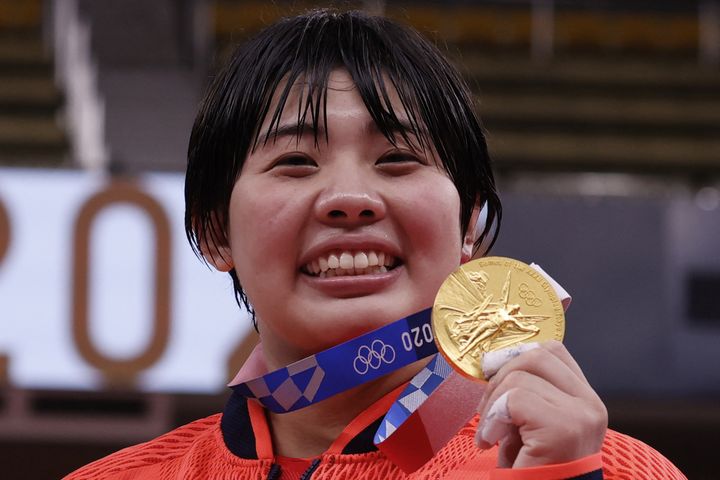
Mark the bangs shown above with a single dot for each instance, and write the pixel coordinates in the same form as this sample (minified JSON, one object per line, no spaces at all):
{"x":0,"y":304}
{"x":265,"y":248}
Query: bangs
{"x":325,"y":47}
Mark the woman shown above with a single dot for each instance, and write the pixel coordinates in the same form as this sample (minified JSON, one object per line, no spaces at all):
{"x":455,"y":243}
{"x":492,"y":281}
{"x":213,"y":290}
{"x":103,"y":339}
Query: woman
{"x":337,"y":170}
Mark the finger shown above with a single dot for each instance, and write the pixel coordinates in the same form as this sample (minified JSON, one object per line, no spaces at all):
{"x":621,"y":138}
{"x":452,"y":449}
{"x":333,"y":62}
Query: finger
{"x":560,"y":441}
{"x":527,"y":406}
{"x":495,"y":424}
{"x":552,"y":428}
{"x":509,"y":448}
{"x":559,"y":350}
{"x":542,"y":362}
{"x":521,"y":380}
{"x":494,"y":360}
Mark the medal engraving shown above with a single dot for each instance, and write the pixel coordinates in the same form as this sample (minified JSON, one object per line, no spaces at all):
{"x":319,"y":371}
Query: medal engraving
{"x":492,"y":303}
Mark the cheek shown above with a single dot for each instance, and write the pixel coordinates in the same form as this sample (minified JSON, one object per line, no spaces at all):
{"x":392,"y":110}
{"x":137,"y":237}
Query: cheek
{"x":433,"y":222}
{"x":263,"y":229}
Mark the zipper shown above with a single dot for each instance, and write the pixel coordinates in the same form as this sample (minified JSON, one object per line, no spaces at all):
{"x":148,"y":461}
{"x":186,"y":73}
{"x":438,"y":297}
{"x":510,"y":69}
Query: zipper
{"x":311,"y":469}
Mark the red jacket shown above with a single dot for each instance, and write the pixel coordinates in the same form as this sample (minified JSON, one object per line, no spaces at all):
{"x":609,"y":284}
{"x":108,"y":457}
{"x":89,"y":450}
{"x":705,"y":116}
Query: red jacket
{"x":237,"y":445}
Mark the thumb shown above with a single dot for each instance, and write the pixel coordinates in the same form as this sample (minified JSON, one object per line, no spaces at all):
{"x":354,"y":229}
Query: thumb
{"x":509,"y":448}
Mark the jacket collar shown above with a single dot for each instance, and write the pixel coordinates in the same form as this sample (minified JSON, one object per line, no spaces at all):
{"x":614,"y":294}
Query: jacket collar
{"x":246,"y":433}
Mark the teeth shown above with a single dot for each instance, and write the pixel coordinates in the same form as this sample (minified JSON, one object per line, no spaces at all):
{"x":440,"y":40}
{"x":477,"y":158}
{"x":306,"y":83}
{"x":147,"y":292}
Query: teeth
{"x":361,"y":260}
{"x":349,"y":263}
{"x":372,"y":259}
{"x":346,"y":260}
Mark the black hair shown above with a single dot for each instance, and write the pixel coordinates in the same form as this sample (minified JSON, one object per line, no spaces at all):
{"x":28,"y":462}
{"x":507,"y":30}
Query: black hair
{"x":380,"y":55}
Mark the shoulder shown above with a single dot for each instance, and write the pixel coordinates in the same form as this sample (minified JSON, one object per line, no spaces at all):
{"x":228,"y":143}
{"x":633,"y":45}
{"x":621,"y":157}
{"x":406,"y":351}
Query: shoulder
{"x":623,"y":457}
{"x":149,"y":458}
{"x":627,"y":457}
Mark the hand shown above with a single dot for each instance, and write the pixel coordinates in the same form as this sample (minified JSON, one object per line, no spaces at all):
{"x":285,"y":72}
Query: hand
{"x":554,"y":414}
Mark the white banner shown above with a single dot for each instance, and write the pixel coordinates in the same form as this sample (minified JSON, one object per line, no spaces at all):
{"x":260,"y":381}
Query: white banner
{"x":98,"y":285}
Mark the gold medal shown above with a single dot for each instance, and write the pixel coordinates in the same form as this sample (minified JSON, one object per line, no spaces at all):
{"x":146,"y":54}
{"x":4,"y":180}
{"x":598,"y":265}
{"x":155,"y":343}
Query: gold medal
{"x":492,"y":303}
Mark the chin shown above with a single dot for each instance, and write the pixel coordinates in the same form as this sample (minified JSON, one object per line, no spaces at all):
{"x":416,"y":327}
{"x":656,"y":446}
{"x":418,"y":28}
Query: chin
{"x":349,"y":323}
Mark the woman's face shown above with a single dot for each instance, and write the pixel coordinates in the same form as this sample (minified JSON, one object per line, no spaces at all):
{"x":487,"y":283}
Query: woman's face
{"x":336,"y":239}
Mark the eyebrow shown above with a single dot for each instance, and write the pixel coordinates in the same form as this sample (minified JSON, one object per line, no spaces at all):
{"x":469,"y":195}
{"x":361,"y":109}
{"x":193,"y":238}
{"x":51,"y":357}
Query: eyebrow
{"x":293,"y":129}
{"x":296,"y":129}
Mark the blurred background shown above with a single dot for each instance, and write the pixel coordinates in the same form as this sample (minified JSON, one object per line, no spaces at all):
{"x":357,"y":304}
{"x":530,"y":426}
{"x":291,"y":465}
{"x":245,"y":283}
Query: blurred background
{"x":603,"y":119}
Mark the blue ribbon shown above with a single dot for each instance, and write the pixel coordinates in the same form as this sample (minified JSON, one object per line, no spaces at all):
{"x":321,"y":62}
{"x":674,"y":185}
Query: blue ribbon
{"x":342,"y":367}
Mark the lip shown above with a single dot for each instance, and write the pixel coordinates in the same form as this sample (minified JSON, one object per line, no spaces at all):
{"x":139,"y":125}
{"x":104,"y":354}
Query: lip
{"x":354,"y":285}
{"x":349,"y":242}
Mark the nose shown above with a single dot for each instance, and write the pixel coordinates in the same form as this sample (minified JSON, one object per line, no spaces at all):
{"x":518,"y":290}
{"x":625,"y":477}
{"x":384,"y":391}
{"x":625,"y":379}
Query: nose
{"x":349,"y":206}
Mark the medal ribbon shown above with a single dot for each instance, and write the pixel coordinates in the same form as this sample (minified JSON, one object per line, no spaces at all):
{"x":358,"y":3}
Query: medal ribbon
{"x":344,"y":366}
{"x":364,"y":359}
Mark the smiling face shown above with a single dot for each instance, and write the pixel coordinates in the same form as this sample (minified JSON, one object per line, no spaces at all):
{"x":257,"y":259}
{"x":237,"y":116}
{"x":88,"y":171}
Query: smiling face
{"x":336,"y":238}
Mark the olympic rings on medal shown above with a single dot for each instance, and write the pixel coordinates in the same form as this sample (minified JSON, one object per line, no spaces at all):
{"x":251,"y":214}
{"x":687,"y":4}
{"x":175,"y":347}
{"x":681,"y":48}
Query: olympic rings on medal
{"x":373,"y":357}
{"x":529,"y":296}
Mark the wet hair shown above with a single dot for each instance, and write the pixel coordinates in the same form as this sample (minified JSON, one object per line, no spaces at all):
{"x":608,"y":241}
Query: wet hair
{"x":380,"y":56}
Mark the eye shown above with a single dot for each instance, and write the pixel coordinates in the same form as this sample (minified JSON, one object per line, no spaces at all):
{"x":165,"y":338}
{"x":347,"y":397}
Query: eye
{"x":399,"y":157}
{"x":295,"y":160}
{"x":399,"y":162}
{"x":294,"y":165}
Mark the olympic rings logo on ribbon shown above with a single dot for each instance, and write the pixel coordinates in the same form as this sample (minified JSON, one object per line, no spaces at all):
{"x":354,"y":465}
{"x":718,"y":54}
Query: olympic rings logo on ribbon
{"x":373,"y":357}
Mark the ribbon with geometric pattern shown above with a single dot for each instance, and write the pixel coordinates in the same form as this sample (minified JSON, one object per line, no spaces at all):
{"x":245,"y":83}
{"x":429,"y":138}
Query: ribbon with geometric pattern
{"x":433,"y":407}
{"x":344,"y":366}
{"x":417,"y":391}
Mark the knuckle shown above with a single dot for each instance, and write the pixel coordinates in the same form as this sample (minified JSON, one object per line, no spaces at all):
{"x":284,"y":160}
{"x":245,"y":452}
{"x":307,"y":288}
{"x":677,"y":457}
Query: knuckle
{"x":537,"y":354}
{"x":597,"y":406}
{"x":554,"y":345}
{"x":602,"y":415}
{"x":515,"y":378}
{"x":514,"y":397}
{"x":595,"y":418}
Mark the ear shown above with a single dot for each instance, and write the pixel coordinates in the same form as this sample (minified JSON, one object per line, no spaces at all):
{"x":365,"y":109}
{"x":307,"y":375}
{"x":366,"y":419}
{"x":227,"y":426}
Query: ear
{"x":472,"y":234}
{"x":219,"y":256}
{"x":215,"y":249}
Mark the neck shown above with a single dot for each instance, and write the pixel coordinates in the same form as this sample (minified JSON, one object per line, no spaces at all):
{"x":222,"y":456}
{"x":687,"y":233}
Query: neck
{"x":309,"y":432}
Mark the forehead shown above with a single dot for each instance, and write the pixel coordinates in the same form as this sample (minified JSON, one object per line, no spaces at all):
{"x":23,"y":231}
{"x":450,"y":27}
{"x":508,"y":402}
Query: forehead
{"x":306,"y":104}
{"x":301,"y":96}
